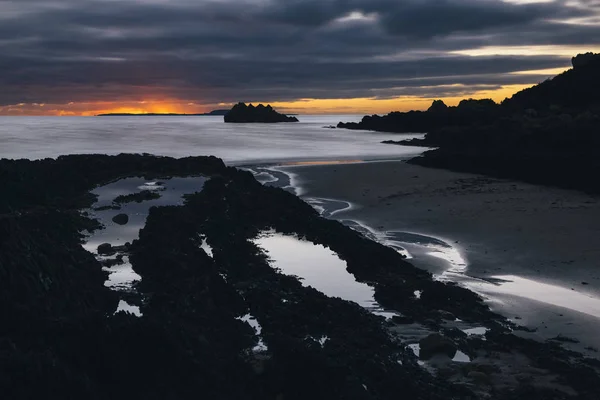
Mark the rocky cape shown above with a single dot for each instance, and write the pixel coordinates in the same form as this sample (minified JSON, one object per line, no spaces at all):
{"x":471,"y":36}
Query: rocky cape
{"x":547,"y":134}
{"x":242,"y":113}
{"x":437,"y":116}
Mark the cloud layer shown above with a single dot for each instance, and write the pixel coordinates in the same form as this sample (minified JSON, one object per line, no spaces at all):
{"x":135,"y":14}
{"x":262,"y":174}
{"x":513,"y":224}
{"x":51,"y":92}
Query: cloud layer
{"x":212,"y":51}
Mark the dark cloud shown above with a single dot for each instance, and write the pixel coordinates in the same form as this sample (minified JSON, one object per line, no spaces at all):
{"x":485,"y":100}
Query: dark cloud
{"x":54,"y":51}
{"x":442,"y":17}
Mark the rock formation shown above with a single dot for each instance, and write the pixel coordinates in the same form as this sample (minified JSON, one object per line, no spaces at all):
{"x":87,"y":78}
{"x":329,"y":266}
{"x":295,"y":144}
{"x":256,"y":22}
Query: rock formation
{"x":121,"y":219}
{"x":242,"y":113}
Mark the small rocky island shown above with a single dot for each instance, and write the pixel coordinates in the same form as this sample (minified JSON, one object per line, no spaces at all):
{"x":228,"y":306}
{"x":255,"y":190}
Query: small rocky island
{"x":242,"y":113}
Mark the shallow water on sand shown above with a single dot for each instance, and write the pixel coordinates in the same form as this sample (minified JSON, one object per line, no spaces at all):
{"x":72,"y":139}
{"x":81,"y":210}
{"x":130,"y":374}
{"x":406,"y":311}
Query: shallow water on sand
{"x":551,"y":309}
{"x":405,"y":243}
{"x":541,"y":292}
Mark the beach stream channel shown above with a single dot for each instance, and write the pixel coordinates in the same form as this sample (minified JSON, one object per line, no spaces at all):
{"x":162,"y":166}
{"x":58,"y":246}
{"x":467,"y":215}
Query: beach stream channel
{"x":509,"y":295}
{"x":131,"y":199}
{"x":313,"y":264}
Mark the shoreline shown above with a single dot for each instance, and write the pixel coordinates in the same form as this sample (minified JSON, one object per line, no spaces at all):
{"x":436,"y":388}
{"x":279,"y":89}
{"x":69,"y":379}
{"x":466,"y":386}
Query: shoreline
{"x":209,"y":293}
{"x":484,"y":263}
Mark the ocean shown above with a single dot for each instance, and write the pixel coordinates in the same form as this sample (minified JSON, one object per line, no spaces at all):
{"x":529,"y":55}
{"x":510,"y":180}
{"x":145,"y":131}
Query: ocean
{"x":236,"y":144}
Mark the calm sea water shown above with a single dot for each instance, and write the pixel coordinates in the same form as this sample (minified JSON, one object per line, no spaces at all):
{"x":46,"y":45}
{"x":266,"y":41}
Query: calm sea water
{"x":237,"y":144}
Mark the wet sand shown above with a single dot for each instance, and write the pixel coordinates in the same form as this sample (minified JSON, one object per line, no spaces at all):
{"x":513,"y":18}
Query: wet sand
{"x":501,"y":228}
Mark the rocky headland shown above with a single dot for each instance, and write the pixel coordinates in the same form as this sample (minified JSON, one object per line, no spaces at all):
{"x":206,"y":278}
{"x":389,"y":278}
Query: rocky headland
{"x":547,"y":134}
{"x":242,"y":113}
{"x":437,"y":116}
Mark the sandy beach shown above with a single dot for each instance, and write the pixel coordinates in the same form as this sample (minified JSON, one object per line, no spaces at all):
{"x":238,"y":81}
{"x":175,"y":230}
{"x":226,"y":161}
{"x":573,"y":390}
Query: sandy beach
{"x":545,"y":240}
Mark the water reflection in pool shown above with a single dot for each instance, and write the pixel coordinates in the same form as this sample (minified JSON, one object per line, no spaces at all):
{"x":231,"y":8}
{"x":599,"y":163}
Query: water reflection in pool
{"x":171,"y":191}
{"x":319,"y":267}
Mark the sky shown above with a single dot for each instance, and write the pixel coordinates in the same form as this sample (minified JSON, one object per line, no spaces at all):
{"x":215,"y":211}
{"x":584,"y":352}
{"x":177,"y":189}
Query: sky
{"x":84,"y":57}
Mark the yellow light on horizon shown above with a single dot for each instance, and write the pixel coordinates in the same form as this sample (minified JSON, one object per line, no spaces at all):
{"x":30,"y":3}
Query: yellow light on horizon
{"x":548,"y":71}
{"x":541,"y":50}
{"x":366,"y":105}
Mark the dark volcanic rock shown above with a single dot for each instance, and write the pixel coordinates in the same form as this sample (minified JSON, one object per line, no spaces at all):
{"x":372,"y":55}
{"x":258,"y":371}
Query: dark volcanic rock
{"x":121,"y":219}
{"x":550,"y":150}
{"x":436,"y":344}
{"x":105,"y":208}
{"x":437,"y":116}
{"x":60,"y":335}
{"x":66,"y":181}
{"x":242,"y":113}
{"x":139,"y":197}
{"x":201,"y":292}
{"x":106,"y":249}
{"x":437,"y":107}
{"x":109,"y":263}
{"x":408,"y":142}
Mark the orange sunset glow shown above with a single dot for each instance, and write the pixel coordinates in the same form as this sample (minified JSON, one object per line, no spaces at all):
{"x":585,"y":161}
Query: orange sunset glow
{"x":363,"y":105}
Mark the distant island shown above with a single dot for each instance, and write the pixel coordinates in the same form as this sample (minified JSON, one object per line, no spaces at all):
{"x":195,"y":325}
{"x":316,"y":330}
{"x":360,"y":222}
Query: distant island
{"x":547,"y":134}
{"x":212,"y":113}
{"x":242,"y":113}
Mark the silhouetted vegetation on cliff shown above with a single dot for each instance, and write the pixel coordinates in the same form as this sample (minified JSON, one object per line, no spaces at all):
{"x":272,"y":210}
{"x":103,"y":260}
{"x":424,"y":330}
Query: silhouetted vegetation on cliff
{"x":572,"y":91}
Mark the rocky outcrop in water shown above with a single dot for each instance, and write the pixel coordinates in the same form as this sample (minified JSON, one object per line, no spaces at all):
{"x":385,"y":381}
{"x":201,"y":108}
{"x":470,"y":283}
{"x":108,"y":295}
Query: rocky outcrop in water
{"x":106,"y":249}
{"x":437,"y":116}
{"x":242,"y":113}
{"x":121,"y":219}
{"x":138,"y":197}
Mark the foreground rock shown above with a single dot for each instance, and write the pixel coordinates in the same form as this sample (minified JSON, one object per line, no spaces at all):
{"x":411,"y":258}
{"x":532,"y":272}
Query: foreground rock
{"x":106,"y":249}
{"x":139,"y":197}
{"x":121,"y":219}
{"x":436,"y":344}
{"x":61,"y":335}
{"x":242,"y":113}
